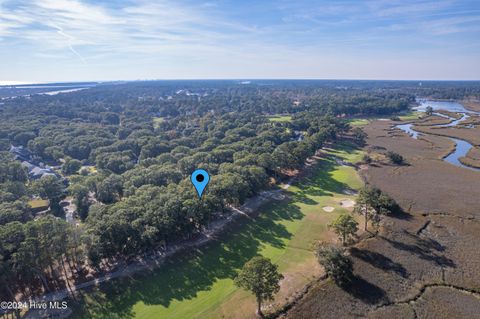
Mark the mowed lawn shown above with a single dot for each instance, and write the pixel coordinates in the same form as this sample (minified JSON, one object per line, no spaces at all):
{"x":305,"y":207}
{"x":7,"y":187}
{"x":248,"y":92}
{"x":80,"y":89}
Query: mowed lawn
{"x":358,"y":122}
{"x":363,"y":121}
{"x":413,"y":115}
{"x":199,"y":284}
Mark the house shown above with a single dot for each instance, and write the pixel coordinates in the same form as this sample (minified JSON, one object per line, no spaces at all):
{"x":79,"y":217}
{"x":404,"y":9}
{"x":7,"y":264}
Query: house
{"x":20,"y":153}
{"x":36,"y":172}
{"x":29,"y":166}
{"x":299,"y":135}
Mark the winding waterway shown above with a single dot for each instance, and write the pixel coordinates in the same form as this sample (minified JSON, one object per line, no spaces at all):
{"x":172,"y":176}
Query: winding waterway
{"x":442,"y":105}
{"x":462,"y":147}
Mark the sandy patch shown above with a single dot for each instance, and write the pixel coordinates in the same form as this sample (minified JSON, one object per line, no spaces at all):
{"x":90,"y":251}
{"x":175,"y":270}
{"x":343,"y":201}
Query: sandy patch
{"x":328,"y":209}
{"x":347,"y":203}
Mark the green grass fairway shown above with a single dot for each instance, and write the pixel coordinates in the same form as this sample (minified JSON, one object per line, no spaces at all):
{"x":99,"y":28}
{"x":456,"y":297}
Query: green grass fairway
{"x":411,"y":116}
{"x":358,"y":122}
{"x":199,"y":284}
{"x":280,"y":118}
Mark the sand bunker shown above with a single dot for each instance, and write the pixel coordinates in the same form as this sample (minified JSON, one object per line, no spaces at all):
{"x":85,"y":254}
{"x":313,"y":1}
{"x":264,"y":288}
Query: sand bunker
{"x":328,"y":209}
{"x":347,"y":203}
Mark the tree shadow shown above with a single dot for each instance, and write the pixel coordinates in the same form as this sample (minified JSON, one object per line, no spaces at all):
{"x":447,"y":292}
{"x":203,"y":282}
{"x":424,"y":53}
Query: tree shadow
{"x":426,"y":243}
{"x":400,"y":214}
{"x":184,"y":275}
{"x":367,"y":292}
{"x":347,"y":147}
{"x":379,"y":261}
{"x":302,"y":198}
{"x":425,"y":248}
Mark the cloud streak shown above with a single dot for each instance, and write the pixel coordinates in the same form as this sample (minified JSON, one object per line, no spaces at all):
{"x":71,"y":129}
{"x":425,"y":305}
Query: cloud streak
{"x":69,"y":41}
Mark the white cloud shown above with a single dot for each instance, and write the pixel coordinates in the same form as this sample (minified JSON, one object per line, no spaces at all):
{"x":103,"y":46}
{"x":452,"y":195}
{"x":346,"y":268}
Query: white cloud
{"x":146,"y":27}
{"x":169,"y":37}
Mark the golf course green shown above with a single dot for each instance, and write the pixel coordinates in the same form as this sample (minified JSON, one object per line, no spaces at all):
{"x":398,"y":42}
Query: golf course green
{"x":199,"y":283}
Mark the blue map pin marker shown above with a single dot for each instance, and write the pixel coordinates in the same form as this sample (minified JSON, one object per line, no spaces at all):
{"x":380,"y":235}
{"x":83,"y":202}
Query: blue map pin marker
{"x":200,"y":179}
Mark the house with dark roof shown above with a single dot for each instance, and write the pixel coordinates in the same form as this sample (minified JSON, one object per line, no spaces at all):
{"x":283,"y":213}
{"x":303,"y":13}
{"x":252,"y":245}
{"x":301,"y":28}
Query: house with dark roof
{"x":34,"y":171}
{"x":37,"y":172}
{"x":20,"y":153}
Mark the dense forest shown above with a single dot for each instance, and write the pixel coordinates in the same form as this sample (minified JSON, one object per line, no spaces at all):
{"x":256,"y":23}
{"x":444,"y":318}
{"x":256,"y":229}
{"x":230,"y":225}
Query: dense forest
{"x":123,"y":153}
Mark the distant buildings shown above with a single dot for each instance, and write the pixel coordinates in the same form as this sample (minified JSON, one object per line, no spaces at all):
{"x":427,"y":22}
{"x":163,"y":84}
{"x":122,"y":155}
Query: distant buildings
{"x":34,"y":171}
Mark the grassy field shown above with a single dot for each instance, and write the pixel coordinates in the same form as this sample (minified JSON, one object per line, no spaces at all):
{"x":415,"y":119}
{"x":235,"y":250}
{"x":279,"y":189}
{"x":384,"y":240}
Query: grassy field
{"x":39,"y":203}
{"x":358,"y":122}
{"x":280,"y":118}
{"x":414,"y":115}
{"x":199,"y":284}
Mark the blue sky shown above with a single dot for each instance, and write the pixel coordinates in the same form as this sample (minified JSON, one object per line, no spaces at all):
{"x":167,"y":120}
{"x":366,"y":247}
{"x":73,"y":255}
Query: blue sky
{"x":66,"y":40}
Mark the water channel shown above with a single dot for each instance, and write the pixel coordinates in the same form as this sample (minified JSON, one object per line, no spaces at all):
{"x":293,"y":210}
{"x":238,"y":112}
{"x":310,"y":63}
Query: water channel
{"x":462,"y":147}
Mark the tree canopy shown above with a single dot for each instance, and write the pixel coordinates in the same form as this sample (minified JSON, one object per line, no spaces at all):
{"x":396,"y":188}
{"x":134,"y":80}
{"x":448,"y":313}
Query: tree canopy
{"x":337,"y":264}
{"x":345,"y":226}
{"x":261,"y":277}
{"x":372,"y":202}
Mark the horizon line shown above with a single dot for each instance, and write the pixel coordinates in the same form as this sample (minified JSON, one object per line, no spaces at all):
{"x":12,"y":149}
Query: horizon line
{"x":23,"y":83}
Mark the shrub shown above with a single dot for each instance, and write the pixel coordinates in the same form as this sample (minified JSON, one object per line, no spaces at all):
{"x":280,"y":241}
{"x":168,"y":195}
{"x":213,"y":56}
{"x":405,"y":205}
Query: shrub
{"x":395,"y":158}
{"x":429,"y":110}
{"x":366,"y":159}
{"x":359,"y":135}
{"x":337,"y":264}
